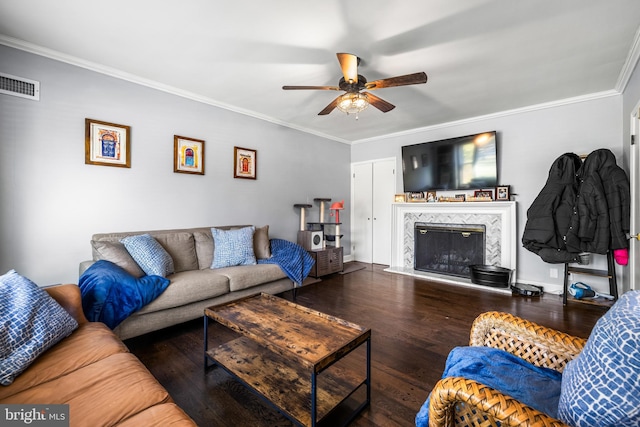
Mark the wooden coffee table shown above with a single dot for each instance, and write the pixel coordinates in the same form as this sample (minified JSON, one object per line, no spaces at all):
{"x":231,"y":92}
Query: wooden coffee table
{"x":289,"y":355}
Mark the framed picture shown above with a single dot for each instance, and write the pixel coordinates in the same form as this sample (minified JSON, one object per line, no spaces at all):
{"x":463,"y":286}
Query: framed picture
{"x":431,"y":196}
{"x":107,"y":144}
{"x":400,"y":198}
{"x":503,"y":193}
{"x":483,"y":193}
{"x":245,"y":163}
{"x":188,"y":155}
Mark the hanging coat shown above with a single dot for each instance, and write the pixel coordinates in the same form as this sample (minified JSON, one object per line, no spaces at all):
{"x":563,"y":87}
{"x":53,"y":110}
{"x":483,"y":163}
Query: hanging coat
{"x":603,"y":207}
{"x":549,"y":216}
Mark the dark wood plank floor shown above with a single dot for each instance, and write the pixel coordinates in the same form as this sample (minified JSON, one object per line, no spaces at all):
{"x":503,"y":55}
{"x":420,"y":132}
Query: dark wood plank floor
{"x":414,"y":323}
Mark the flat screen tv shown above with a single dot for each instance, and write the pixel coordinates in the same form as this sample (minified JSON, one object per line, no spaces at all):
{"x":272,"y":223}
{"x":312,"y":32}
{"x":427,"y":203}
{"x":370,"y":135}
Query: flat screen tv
{"x":462,"y":163}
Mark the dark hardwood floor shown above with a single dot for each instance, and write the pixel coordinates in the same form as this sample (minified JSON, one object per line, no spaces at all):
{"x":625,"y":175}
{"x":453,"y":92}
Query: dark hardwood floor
{"x":414,"y":324}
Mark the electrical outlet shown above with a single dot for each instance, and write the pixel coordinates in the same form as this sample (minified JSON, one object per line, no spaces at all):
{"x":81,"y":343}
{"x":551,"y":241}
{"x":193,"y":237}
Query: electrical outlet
{"x":553,"y":273}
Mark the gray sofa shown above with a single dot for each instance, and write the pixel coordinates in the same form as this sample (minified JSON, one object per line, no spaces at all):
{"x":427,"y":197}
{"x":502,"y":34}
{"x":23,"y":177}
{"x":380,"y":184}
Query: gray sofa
{"x":194,"y":285}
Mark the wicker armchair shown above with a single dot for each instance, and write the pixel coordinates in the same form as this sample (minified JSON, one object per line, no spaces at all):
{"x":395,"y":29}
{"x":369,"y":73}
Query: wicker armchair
{"x":458,"y":401}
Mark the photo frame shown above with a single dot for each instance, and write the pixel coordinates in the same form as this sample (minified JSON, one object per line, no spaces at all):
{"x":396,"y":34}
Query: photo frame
{"x":107,"y":144}
{"x":245,"y":163}
{"x":400,"y":198}
{"x":188,"y":155}
{"x":431,"y":196}
{"x":503,"y":193}
{"x":483,"y":193}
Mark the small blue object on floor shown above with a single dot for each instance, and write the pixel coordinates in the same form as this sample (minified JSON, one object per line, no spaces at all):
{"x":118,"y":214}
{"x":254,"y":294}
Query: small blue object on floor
{"x":531,"y":385}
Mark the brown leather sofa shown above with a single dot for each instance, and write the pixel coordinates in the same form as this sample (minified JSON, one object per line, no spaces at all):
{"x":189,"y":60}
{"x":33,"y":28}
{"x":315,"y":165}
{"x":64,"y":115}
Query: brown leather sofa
{"x":93,"y":372}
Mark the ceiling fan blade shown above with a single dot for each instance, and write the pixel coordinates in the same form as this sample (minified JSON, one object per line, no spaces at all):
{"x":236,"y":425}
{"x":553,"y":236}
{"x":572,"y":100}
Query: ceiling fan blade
{"x":310,"y":88}
{"x":409,"y":79}
{"x":349,"y":65}
{"x":329,"y":108}
{"x":379,"y":103}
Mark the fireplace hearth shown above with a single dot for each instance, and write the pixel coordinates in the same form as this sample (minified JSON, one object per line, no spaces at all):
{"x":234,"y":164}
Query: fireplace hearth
{"x":448,"y":248}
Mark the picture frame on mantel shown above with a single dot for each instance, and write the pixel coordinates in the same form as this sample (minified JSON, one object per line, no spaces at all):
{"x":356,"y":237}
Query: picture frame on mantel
{"x":188,"y":155}
{"x":483,"y":193}
{"x":245,"y":163}
{"x":503,"y":193}
{"x":107,"y":144}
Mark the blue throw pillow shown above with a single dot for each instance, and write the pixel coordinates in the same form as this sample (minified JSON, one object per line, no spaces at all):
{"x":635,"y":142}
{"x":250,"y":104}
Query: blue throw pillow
{"x":30,"y":323}
{"x":601,"y":387}
{"x":110,"y":294}
{"x":233,"y":247}
{"x":152,"y":258}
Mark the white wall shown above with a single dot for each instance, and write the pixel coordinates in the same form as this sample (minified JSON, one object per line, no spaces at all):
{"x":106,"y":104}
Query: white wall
{"x":51,"y":202}
{"x":529,"y":142}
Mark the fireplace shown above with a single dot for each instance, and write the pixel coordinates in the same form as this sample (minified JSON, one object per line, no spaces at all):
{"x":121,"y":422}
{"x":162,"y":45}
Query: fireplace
{"x":448,"y":248}
{"x":500,"y":235}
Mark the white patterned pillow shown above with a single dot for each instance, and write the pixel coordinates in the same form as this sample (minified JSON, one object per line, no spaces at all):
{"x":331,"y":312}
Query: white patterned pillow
{"x":152,"y":258}
{"x":30,"y":323}
{"x":233,"y":247}
{"x":601,"y":387}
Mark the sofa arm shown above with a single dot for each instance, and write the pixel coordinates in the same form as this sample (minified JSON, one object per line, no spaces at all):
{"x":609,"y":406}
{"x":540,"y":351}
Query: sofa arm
{"x":470,"y":402}
{"x":70,"y":298}
{"x":539,"y":345}
{"x":84,"y":265}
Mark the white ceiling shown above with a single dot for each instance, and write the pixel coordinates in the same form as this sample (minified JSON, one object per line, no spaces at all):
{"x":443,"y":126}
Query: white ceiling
{"x":481,"y":56}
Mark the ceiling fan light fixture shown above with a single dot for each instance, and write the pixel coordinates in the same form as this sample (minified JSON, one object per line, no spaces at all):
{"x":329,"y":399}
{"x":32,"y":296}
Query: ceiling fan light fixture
{"x":352,"y":103}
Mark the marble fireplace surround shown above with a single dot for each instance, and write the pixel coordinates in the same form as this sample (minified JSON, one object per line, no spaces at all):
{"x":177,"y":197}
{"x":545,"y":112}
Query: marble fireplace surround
{"x":499,"y":218}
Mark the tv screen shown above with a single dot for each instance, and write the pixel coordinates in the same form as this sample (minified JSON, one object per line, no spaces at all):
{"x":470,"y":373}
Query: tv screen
{"x":462,"y":163}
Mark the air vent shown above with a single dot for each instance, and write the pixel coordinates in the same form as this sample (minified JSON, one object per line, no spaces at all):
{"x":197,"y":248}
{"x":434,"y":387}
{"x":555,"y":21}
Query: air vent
{"x":18,"y":86}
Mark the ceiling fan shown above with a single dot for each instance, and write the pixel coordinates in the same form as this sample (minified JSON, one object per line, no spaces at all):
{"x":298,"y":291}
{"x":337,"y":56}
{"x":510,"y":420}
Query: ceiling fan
{"x":355,"y":99}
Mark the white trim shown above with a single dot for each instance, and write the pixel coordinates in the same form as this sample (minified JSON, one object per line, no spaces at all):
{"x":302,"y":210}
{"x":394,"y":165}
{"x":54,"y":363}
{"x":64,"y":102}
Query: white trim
{"x":536,"y":107}
{"x":113,"y":72}
{"x":623,"y":79}
{"x":629,"y":64}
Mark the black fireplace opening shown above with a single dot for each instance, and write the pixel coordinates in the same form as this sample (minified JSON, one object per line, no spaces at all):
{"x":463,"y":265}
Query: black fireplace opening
{"x":448,"y":248}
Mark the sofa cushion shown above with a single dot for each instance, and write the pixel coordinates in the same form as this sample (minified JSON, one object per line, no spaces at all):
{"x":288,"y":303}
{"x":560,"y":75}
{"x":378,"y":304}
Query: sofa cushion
{"x":67,"y":356}
{"x":187,"y":287}
{"x":152,"y":258}
{"x":117,"y":254}
{"x":103,"y":393}
{"x":233,"y":247}
{"x":30,"y":323}
{"x":261,"y":244}
{"x":204,"y":248}
{"x":182,"y":249}
{"x":248,"y":276}
{"x":166,"y":414}
{"x":602,"y":385}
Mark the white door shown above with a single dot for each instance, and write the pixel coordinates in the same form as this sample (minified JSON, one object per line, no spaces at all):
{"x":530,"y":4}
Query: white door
{"x":634,"y":244}
{"x":362,"y":227}
{"x":384,"y":189}
{"x":374,"y":186}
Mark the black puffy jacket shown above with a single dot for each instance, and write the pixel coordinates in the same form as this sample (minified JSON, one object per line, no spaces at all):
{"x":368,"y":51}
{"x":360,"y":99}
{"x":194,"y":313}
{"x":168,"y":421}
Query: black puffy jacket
{"x":601,"y":220}
{"x":549,"y":216}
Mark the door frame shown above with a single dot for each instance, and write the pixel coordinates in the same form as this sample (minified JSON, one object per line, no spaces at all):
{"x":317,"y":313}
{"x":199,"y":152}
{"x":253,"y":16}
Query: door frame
{"x":634,"y":178}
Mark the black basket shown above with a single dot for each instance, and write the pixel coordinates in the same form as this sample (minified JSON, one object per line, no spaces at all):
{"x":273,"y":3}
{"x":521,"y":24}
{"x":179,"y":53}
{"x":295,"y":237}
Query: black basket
{"x":490,"y":275}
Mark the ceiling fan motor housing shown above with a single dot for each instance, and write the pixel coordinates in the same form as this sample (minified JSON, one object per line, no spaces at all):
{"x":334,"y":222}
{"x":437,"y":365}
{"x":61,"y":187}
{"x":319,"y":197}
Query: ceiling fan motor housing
{"x":352,"y":87}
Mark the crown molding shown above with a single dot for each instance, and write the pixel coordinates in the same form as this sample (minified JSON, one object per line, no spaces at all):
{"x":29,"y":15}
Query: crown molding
{"x":536,"y":107}
{"x":629,"y":64}
{"x":119,"y":74}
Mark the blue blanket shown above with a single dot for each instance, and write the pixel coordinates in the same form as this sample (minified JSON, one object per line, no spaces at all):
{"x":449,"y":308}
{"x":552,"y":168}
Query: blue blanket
{"x":292,"y":259}
{"x":110,"y":294}
{"x":527,"y":383}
